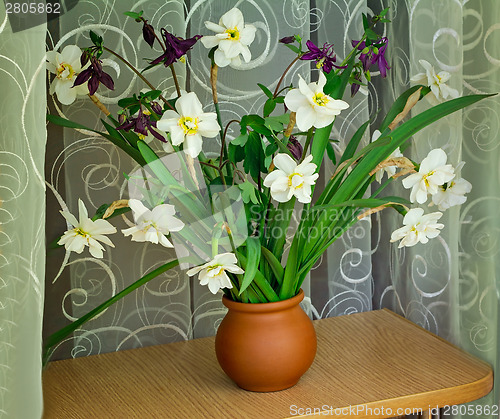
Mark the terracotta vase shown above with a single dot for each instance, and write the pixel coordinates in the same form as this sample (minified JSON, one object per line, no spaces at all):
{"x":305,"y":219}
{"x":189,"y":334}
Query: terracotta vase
{"x":265,"y":347}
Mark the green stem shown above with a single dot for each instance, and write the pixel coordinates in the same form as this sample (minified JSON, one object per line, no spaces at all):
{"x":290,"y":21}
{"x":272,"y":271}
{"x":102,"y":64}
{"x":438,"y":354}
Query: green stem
{"x":308,"y":142}
{"x":137,"y":72}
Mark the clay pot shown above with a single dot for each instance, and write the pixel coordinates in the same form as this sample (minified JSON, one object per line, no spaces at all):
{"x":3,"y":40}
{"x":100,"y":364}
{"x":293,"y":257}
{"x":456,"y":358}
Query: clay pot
{"x":265,"y":347}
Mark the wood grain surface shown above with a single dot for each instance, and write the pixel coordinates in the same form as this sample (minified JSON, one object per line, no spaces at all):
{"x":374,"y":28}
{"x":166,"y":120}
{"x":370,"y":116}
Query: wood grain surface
{"x":368,"y":365}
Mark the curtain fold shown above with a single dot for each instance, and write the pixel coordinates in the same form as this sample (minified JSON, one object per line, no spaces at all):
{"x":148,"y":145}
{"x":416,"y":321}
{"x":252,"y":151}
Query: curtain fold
{"x":22,"y":217}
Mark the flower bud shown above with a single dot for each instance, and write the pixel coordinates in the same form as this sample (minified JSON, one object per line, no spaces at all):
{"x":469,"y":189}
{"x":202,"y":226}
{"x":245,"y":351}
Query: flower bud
{"x":287,"y":40}
{"x":148,"y":33}
{"x":295,"y":147}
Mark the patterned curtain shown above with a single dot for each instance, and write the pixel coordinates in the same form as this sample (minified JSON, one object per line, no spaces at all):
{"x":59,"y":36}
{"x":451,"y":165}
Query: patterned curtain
{"x":449,"y":286}
{"x":22,"y":216}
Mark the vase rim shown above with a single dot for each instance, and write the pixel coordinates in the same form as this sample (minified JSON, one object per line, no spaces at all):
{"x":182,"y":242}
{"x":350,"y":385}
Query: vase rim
{"x":263,"y":307}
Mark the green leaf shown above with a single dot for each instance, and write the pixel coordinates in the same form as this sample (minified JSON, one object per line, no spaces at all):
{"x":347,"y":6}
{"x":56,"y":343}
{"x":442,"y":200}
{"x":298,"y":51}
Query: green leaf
{"x":127,"y":101}
{"x":287,"y":289}
{"x":276,"y":122}
{"x":274,"y":263}
{"x":354,"y":142}
{"x":398,"y":106}
{"x":134,"y":15}
{"x":151,"y":95}
{"x":269,"y":107}
{"x":331,"y":153}
{"x":266,"y":91}
{"x":61,"y":334}
{"x":364,"y":203}
{"x":260,"y":281}
{"x":252,"y":262}
{"x":235,"y":153}
{"x":371,"y":34}
{"x":240,"y":139}
{"x":293,"y":48}
{"x":366,"y":23}
{"x":254,"y":155}
{"x":248,"y":193}
{"x":117,"y":140}
{"x":96,"y":39}
{"x":249,"y":120}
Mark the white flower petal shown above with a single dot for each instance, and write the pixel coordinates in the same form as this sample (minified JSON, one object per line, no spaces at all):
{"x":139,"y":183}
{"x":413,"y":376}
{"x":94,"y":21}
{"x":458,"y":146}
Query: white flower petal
{"x":210,"y":41}
{"x":65,"y":93}
{"x":193,"y":145}
{"x":220,"y":58}
{"x":294,"y":100}
{"x":189,"y":105}
{"x":71,"y":54}
{"x":232,"y":19}
{"x":285,"y":163}
{"x":305,"y":118}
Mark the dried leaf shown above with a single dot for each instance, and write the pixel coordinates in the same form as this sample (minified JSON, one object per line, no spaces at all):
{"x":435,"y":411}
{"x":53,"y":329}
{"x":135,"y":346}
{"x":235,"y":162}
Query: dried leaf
{"x":410,"y":103}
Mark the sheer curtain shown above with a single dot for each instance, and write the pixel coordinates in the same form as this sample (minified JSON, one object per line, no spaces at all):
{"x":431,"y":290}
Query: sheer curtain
{"x":449,"y":286}
{"x":22,"y":217}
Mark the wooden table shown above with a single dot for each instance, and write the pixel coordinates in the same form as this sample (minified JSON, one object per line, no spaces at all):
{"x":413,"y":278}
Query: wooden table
{"x":373,"y":364}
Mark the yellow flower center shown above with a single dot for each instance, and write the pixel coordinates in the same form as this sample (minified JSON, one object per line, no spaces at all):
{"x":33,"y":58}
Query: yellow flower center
{"x":290,"y":180}
{"x":80,"y":232}
{"x":321,"y":99}
{"x":320,"y":63}
{"x":234,"y":34}
{"x":425,"y":178}
{"x":189,"y":125}
{"x":65,"y":71}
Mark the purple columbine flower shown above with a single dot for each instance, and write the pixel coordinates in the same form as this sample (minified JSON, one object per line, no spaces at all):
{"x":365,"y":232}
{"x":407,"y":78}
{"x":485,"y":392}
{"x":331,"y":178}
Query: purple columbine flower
{"x":295,"y":147}
{"x":94,"y":75}
{"x":325,"y":57}
{"x":148,"y":33}
{"x":287,"y":40}
{"x":141,"y":124}
{"x":175,"y":48}
{"x":370,"y":58}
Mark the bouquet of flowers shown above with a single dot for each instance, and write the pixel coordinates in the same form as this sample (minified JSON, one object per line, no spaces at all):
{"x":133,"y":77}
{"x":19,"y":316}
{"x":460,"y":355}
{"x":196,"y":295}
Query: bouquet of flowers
{"x":228,"y":214}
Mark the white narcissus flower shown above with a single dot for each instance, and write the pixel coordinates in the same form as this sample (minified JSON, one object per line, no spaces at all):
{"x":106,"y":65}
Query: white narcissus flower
{"x":452,"y":195}
{"x":291,"y":179}
{"x":214,"y":274}
{"x":437,"y":82}
{"x":433,"y":172}
{"x":66,"y":66}
{"x":153,"y":225}
{"x":86,"y":232}
{"x":189,"y":124}
{"x":417,"y":227}
{"x":313,"y":107}
{"x":390,"y":170}
{"x":232,"y":39}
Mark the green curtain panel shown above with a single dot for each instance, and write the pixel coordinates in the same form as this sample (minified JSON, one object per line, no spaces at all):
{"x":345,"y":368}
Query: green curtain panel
{"x":22,"y":217}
